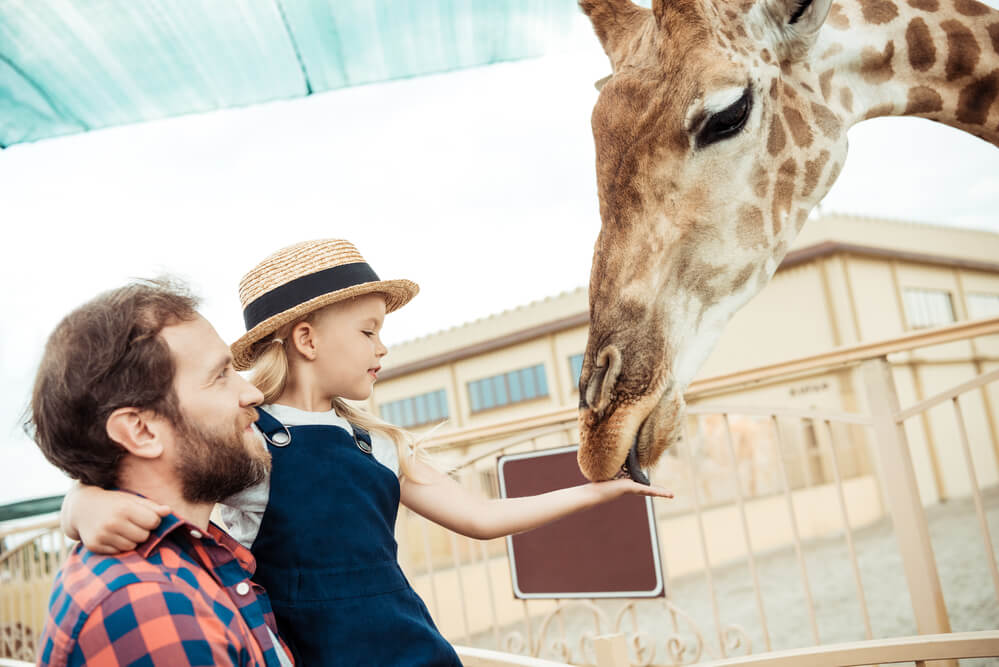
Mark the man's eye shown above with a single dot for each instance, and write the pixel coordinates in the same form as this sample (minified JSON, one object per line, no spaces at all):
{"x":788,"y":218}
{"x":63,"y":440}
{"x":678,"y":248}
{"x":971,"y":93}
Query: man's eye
{"x":223,"y":373}
{"x":369,"y":333}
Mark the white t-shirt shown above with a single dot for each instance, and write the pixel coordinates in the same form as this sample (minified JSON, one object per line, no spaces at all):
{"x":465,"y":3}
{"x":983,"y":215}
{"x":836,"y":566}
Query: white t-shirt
{"x":243,"y":512}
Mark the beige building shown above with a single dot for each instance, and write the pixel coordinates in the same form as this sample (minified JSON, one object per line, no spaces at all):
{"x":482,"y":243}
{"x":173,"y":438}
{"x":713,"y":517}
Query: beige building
{"x":846,"y":280}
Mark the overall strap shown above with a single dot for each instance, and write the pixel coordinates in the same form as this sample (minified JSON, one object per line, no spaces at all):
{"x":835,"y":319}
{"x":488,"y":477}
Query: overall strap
{"x":274,"y":431}
{"x":362,"y":438}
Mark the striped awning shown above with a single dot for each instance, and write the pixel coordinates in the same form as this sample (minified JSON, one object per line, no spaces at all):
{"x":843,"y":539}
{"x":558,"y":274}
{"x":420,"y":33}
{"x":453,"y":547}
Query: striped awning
{"x":75,"y":65}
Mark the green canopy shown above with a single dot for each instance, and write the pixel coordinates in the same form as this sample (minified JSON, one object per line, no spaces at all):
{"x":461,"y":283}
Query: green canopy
{"x":27,"y":508}
{"x":75,"y":65}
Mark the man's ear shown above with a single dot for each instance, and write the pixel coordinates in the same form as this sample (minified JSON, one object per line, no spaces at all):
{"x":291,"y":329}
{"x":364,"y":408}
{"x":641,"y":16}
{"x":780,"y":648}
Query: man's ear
{"x":303,"y":340}
{"x":141,"y":432}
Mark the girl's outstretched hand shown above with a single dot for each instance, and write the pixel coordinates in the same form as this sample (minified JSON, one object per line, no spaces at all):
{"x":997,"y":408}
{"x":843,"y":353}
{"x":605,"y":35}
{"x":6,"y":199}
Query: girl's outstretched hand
{"x":616,"y":488}
{"x":110,"y":522}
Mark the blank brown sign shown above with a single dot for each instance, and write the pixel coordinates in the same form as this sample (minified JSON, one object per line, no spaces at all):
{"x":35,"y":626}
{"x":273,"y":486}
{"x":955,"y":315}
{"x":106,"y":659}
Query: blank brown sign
{"x":606,"y":551}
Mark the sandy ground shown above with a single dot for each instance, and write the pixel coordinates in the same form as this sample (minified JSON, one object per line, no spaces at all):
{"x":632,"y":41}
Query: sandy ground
{"x":961,"y":561}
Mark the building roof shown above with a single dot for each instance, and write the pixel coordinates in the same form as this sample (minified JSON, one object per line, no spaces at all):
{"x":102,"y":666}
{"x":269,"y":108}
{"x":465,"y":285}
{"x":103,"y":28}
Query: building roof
{"x":829,"y":234}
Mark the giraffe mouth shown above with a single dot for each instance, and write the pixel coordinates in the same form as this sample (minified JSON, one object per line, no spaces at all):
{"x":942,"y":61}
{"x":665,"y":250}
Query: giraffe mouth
{"x":631,"y":468}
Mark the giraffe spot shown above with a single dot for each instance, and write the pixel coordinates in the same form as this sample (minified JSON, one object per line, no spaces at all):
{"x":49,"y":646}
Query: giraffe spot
{"x":765,"y":55}
{"x":963,"y":50}
{"x":879,"y":111}
{"x":759,"y":179}
{"x":975,"y":99}
{"x":837,"y":18}
{"x":825,"y":85}
{"x":831,"y":51}
{"x":801,"y":219}
{"x":776,"y":139}
{"x":925,"y":5}
{"x":833,"y":174}
{"x":970,"y":8}
{"x":923,"y":99}
{"x":827,"y":121}
{"x":875,"y":66}
{"x":813,"y":171}
{"x":728,"y":35}
{"x":994,"y":36}
{"x":783,"y":192}
{"x":878,"y":11}
{"x":800,"y":132}
{"x":731,"y":15}
{"x":846,"y":98}
{"x":740,"y":30}
{"x":749,"y":228}
{"x":773,"y":89}
{"x":922,"y":53}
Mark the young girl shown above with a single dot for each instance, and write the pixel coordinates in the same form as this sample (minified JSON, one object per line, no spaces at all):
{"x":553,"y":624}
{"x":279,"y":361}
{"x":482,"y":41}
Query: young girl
{"x":322,"y":526}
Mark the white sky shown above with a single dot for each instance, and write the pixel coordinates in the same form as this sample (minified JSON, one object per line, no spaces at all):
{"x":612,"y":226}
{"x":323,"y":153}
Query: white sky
{"x":478,"y":184}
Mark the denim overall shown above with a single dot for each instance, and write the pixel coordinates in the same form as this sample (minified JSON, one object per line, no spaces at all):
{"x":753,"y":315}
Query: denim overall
{"x":326,"y":553}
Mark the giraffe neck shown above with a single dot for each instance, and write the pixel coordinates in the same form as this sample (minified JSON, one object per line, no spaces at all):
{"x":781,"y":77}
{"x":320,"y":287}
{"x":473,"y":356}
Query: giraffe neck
{"x":937,"y":59}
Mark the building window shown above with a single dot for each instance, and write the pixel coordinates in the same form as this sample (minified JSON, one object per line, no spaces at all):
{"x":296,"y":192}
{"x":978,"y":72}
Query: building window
{"x":575,"y":368}
{"x":927,"y":307}
{"x":513,"y":387}
{"x":982,"y":305}
{"x":416,"y":410}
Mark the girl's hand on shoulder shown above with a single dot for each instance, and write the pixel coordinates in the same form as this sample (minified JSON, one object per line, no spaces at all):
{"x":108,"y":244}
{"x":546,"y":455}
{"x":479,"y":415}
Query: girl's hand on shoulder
{"x":112,"y":522}
{"x":616,"y":488}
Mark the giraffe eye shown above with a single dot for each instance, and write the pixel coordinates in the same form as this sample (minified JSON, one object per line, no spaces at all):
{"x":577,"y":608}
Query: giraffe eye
{"x":726,"y":122}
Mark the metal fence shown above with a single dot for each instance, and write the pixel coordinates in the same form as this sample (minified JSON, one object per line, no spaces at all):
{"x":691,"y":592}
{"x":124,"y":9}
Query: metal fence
{"x":765,"y":542}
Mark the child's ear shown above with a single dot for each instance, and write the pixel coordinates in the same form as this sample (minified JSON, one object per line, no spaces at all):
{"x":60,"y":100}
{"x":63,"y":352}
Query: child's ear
{"x":140,"y":432}
{"x":303,"y":340}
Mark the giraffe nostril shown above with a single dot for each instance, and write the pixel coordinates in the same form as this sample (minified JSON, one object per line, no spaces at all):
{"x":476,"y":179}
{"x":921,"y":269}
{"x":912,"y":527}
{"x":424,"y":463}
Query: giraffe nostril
{"x":599,"y":391}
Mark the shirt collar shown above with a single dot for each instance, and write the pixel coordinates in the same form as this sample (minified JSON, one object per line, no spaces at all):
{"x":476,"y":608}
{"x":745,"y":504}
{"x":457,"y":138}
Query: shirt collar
{"x":168,"y":524}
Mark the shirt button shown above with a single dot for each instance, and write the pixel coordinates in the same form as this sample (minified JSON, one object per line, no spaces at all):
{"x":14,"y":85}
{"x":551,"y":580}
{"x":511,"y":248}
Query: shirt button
{"x":242,"y":588}
{"x":196,"y":534}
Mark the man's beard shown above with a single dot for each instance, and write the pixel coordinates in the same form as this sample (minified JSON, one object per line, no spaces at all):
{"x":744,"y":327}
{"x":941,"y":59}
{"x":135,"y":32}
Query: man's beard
{"x":214,"y":464}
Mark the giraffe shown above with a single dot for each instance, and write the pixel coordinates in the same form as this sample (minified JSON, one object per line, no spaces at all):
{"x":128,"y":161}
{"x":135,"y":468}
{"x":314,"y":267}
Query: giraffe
{"x":722,"y":125}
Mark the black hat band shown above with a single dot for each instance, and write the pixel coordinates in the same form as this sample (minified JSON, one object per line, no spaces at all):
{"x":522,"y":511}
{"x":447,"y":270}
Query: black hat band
{"x":306,"y":288}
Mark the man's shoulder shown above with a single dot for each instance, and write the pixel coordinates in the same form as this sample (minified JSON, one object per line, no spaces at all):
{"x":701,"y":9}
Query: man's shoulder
{"x":97,"y":591}
{"x":88,"y":577}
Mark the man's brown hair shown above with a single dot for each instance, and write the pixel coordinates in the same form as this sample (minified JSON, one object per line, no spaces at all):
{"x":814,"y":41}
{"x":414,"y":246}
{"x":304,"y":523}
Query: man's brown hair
{"x":105,"y":355}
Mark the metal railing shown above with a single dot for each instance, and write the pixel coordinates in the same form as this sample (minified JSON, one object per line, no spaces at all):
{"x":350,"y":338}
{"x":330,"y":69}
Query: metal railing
{"x":770,"y":500}
{"x":741,"y":471}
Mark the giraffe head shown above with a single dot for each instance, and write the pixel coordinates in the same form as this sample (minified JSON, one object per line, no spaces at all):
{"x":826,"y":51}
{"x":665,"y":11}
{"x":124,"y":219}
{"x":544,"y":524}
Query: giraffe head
{"x":713,"y":143}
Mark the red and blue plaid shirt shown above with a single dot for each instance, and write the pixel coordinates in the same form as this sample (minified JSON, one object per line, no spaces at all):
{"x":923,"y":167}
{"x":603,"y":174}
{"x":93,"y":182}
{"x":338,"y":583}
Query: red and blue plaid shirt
{"x":181,"y":598}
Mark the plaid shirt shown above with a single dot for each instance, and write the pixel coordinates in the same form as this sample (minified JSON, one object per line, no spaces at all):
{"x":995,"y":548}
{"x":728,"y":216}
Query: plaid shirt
{"x":181,"y":598}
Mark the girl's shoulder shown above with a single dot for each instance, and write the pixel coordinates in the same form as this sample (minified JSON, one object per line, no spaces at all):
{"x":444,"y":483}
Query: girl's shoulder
{"x":383,"y":447}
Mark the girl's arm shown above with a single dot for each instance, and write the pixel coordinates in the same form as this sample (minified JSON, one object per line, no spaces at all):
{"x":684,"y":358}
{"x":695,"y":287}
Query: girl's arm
{"x":445,"y":501}
{"x":108,"y":522}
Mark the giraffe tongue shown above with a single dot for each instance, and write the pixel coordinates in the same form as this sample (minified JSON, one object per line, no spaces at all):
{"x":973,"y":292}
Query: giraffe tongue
{"x":632,"y":468}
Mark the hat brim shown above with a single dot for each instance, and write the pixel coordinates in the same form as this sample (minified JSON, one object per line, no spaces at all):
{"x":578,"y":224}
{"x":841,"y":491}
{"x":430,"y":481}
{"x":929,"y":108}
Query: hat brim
{"x":397,"y":294}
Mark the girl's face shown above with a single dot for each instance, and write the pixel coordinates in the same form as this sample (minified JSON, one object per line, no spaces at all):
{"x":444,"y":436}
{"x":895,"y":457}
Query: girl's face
{"x":349,"y":350}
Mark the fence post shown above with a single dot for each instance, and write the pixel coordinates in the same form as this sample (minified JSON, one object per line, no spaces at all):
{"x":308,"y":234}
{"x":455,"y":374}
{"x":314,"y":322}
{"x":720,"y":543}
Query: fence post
{"x":611,"y":650}
{"x":904,"y":504}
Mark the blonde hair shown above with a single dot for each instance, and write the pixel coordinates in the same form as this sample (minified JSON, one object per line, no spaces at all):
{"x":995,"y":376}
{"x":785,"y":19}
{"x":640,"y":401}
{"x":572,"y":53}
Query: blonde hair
{"x":269,"y":373}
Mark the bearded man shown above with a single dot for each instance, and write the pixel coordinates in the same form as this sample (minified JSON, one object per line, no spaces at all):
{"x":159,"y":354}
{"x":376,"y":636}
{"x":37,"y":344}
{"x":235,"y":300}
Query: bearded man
{"x":136,"y":391}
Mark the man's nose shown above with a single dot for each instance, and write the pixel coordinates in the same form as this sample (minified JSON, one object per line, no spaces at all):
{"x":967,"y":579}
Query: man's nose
{"x":250,"y":396}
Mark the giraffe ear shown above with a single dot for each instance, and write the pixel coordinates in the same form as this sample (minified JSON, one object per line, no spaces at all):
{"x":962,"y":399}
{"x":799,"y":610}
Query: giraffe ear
{"x":614,"y":21}
{"x":793,"y":25}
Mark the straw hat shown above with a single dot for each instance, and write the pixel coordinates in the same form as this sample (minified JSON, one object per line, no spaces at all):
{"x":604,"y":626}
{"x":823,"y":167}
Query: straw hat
{"x":301,"y":278}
